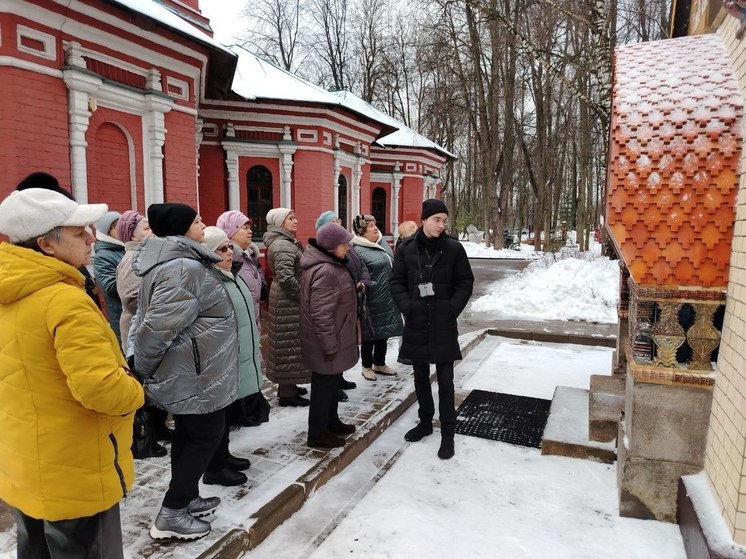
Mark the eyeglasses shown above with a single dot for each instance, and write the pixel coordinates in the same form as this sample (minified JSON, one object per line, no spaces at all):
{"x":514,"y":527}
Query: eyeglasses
{"x":223,"y":249}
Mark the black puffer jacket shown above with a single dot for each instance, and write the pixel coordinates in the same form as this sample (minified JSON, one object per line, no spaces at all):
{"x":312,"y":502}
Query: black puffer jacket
{"x":430,"y":331}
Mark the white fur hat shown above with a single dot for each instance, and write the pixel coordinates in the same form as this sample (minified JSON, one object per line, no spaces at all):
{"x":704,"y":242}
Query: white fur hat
{"x":214,"y":237}
{"x":30,"y":213}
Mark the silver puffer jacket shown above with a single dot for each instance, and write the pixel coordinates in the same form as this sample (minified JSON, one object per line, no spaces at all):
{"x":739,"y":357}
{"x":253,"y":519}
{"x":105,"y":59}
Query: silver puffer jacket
{"x":186,"y":341}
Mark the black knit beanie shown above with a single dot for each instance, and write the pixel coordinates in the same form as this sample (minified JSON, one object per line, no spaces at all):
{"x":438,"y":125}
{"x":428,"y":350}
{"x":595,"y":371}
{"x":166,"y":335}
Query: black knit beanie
{"x":170,"y":219}
{"x":432,"y":207}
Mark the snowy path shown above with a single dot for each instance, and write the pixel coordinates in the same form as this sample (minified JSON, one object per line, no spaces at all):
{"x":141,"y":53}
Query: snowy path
{"x":492,"y":500}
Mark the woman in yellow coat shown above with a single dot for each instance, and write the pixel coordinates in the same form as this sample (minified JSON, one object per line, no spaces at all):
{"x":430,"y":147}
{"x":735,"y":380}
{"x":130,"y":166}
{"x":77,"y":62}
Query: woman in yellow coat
{"x":67,"y":400}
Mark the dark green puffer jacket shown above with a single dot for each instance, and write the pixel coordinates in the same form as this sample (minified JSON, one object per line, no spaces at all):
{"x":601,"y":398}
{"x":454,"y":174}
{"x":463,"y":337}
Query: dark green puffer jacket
{"x":384,"y":319}
{"x":106,"y":258}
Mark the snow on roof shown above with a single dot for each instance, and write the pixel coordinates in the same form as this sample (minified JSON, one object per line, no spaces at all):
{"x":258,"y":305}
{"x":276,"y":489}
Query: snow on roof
{"x":403,"y":137}
{"x":256,"y":78}
{"x":169,"y":19}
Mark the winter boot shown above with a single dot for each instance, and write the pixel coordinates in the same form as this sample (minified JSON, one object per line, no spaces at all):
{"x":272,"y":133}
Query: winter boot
{"x":384,"y":370}
{"x":340,"y":428}
{"x":345,"y":384}
{"x":420,"y":431}
{"x":446,"y":451}
{"x":178,"y":523}
{"x":368,"y":374}
{"x":325,"y":440}
{"x":227,"y":477}
{"x":200,"y":507}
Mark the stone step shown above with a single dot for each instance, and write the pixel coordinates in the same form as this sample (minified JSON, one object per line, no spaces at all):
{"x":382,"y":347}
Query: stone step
{"x":566,"y":433}
{"x":605,"y":406}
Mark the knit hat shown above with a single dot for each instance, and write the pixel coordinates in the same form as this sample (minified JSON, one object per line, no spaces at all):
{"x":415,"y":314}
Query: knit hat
{"x":170,"y":219}
{"x":214,"y":237}
{"x":360,"y":223}
{"x":433,"y":206}
{"x":331,"y":235}
{"x":30,"y":213}
{"x":127,"y":225}
{"x":325,"y":218}
{"x":43,"y":180}
{"x":232,"y":221}
{"x":104,"y":224}
{"x":277,"y":216}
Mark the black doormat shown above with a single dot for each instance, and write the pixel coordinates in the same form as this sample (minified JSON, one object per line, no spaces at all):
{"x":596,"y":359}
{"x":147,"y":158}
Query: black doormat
{"x":503,"y":417}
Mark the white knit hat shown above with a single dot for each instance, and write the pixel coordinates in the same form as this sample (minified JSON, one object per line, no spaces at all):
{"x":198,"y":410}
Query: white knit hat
{"x":31,"y":213}
{"x":277,"y":216}
{"x":214,"y":237}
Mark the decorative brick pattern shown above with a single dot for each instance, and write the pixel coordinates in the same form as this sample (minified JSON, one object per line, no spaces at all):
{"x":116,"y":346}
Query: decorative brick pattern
{"x":674,"y":160}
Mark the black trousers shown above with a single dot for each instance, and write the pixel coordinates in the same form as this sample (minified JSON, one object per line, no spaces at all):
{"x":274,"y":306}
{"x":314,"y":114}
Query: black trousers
{"x":374,"y":353}
{"x":220,"y":456}
{"x":446,"y":404}
{"x":322,"y":412}
{"x":91,"y":537}
{"x":193,"y":444}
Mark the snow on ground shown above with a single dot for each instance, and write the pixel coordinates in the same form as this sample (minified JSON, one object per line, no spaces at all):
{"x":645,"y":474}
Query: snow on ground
{"x":534,"y":369}
{"x":493,"y":499}
{"x":579,"y":287}
{"x":480,"y":250}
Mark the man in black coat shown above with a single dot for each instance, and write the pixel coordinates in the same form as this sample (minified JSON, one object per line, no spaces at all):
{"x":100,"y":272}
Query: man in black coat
{"x":431,"y":283}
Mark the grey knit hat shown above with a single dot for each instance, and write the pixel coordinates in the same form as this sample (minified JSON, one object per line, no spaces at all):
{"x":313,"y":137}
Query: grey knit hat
{"x":331,"y":235}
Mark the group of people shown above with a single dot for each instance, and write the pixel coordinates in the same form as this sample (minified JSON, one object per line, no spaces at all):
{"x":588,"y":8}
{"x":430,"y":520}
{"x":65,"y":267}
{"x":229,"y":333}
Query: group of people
{"x":183,"y":305}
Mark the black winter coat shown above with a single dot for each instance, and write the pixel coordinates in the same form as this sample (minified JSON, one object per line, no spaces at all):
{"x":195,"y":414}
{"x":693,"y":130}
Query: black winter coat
{"x":430,"y":330}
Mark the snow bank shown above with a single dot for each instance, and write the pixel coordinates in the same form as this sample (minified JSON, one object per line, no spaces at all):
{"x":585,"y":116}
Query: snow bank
{"x":479,"y":250}
{"x":575,"y":288}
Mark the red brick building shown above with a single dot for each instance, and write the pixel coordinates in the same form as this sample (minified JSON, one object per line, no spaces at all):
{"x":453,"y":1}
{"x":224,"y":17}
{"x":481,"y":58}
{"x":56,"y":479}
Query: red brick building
{"x":132,"y":102}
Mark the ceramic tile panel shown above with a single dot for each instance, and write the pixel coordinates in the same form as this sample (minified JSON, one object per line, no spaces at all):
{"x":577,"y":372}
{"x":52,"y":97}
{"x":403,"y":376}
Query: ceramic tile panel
{"x":675,"y":156}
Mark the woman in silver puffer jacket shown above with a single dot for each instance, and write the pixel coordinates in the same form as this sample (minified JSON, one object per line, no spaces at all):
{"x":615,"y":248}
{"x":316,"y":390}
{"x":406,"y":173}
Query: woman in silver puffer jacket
{"x":186,"y":353}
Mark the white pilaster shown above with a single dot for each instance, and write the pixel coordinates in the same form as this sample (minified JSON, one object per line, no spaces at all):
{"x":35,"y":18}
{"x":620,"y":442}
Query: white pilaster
{"x":395,"y":187}
{"x":231,"y":163}
{"x":337,"y":172}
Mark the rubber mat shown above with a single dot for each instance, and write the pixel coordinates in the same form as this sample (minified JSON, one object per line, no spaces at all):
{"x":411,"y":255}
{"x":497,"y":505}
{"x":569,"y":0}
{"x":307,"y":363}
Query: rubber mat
{"x":509,"y":418}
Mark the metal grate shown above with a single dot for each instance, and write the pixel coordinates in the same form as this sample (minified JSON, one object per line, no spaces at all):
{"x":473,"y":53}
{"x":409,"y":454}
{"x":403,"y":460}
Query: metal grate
{"x":509,"y":418}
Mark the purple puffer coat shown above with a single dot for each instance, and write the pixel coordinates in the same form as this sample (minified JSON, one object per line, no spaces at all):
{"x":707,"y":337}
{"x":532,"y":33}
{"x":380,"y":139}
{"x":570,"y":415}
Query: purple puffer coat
{"x":328,"y":312}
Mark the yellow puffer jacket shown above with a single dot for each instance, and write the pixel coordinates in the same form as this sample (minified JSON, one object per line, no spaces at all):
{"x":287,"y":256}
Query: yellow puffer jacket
{"x":67,"y":402}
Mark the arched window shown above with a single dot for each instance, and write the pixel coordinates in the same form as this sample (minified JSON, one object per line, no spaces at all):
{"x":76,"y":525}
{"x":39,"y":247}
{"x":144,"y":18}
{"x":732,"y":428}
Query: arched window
{"x":378,"y":208}
{"x":342,"y":199}
{"x":259,"y":196}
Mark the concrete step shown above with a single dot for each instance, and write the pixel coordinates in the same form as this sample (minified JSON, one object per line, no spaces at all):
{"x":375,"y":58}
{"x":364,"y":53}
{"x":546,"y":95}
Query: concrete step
{"x":605,"y":406}
{"x":566,"y":433}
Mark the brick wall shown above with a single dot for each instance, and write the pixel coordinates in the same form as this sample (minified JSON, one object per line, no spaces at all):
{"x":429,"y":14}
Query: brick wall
{"x":725,"y":460}
{"x":108,"y":159}
{"x":411,"y":199}
{"x":313,"y":189}
{"x":33,"y":127}
{"x":180,"y":163}
{"x":213,"y":184}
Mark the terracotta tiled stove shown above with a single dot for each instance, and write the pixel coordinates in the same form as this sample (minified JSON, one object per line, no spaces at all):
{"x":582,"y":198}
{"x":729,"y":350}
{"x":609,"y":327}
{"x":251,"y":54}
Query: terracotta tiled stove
{"x":673,"y":176}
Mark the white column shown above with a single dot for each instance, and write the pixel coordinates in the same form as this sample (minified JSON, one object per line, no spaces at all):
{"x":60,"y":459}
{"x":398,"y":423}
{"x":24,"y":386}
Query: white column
{"x":395,"y":186}
{"x":287,"y":176}
{"x":337,"y":171}
{"x":357,"y":175}
{"x":231,"y":163}
{"x":80,"y":85}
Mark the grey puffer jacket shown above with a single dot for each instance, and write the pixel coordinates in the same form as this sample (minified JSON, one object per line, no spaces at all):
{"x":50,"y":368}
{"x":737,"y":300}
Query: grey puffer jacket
{"x":328,"y":312}
{"x":284,"y":363}
{"x":383,"y":317}
{"x":186,"y":337}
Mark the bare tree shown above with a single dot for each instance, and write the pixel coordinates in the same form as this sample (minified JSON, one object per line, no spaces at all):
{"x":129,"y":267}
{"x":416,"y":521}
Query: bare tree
{"x":332,"y":46}
{"x":275,"y":31}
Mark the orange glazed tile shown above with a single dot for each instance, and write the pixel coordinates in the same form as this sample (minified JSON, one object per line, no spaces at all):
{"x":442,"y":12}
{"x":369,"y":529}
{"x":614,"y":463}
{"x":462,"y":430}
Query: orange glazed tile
{"x":675,"y":152}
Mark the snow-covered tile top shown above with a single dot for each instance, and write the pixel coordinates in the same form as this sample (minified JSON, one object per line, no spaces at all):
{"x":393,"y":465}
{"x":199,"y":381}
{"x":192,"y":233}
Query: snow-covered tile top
{"x":674,"y":160}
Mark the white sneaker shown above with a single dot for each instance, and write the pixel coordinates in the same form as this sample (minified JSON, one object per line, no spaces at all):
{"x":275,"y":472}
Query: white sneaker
{"x":368,"y":374}
{"x":384,"y":370}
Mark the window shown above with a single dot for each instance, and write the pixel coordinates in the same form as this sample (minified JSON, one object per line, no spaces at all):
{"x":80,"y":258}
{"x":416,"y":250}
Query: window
{"x":342,"y":200}
{"x":378,"y":208}
{"x":259,"y":190}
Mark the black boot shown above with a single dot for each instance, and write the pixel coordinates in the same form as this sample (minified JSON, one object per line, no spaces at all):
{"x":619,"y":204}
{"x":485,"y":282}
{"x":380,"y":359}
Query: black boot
{"x":325,"y":440}
{"x":446,"y":448}
{"x":294,"y":401}
{"x":420,"y":431}
{"x":340,"y":428}
{"x":236,"y":463}
{"x":345,"y":384}
{"x":342,"y":396}
{"x":226,"y":477}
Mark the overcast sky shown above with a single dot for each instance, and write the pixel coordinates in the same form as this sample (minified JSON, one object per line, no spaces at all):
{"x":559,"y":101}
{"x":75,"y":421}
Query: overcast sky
{"x":225,"y":18}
